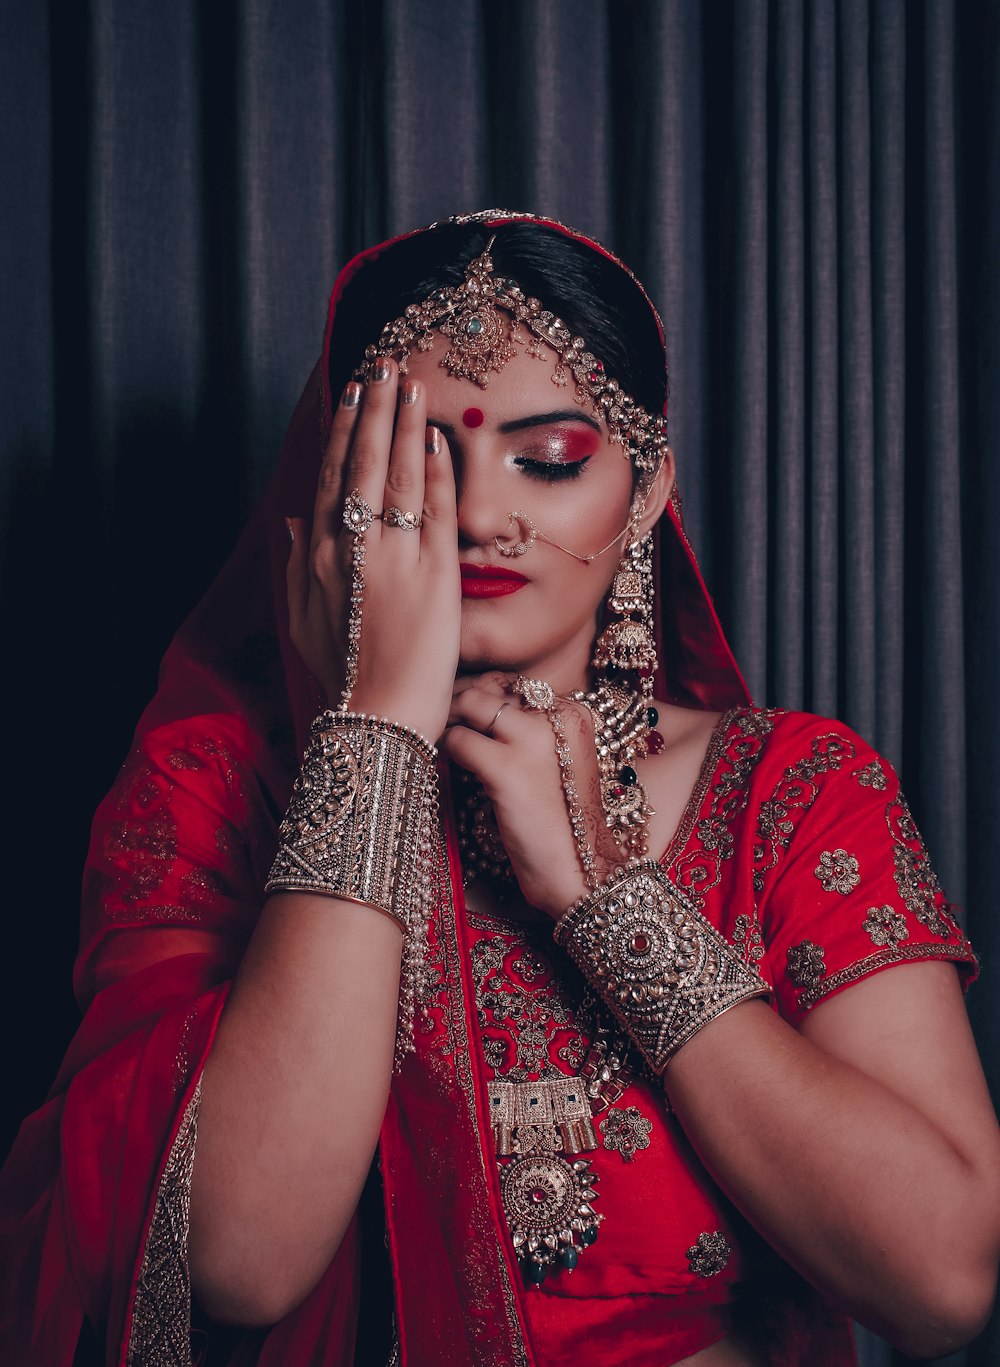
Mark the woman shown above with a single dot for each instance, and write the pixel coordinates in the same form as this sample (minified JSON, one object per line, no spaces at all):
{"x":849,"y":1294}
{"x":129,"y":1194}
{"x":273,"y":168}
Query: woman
{"x":697,"y":1123}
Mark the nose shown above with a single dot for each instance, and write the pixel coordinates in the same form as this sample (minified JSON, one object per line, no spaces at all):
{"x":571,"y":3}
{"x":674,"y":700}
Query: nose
{"x":483,"y":509}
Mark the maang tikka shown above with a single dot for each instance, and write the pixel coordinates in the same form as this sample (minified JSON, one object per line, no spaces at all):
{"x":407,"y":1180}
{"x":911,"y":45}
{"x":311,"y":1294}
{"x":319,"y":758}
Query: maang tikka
{"x":486,"y":319}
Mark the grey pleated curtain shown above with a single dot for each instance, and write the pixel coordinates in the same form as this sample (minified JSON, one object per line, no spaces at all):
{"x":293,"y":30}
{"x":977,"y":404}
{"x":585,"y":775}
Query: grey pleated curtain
{"x":810,"y":191}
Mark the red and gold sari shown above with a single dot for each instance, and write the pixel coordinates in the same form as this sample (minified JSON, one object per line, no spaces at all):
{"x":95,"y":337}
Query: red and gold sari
{"x":796,"y":843}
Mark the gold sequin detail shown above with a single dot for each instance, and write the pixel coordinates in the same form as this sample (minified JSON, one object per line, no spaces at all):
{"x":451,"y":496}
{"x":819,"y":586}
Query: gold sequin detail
{"x":837,"y":871}
{"x":626,"y":1131}
{"x":805,"y":963}
{"x":709,"y":1254}
{"x":885,"y":926}
{"x":161,"y":1316}
{"x":872,"y":776}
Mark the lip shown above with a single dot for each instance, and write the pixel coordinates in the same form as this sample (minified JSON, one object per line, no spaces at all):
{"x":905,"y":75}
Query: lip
{"x":490,"y":581}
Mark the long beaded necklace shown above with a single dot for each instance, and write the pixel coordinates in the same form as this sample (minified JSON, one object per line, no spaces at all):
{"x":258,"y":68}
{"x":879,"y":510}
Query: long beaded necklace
{"x":547,"y":1197}
{"x":624,"y":732}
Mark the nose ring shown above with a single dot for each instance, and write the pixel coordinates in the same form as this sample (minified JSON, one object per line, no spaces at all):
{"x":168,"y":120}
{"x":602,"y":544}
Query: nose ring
{"x":518,"y":547}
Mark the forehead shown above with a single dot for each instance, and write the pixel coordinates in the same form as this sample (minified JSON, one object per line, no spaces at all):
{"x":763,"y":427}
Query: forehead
{"x":523,"y":387}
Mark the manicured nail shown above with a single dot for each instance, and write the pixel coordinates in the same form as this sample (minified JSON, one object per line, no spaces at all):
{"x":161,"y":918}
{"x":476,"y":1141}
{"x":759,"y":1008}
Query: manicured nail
{"x":410,"y":392}
{"x":291,"y":529}
{"x":352,"y":395}
{"x":381,"y":372}
{"x":432,"y":441}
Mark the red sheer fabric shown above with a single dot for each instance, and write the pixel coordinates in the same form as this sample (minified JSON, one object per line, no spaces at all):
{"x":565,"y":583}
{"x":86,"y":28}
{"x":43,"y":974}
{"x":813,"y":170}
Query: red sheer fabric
{"x":92,"y":1200}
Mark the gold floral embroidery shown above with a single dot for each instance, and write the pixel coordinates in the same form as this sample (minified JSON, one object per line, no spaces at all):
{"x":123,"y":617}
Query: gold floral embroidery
{"x":716,"y":836}
{"x":837,"y":871}
{"x":525,"y":1014}
{"x":872,"y":776}
{"x":143,"y":852}
{"x":161,"y":1316}
{"x":919,"y":888}
{"x":204,"y":886}
{"x":806,"y":964}
{"x":183,"y":759}
{"x":709,"y":1254}
{"x":626,"y":1131}
{"x":794,"y":794}
{"x":732,"y":756}
{"x":748,"y":935}
{"x":886,"y":926}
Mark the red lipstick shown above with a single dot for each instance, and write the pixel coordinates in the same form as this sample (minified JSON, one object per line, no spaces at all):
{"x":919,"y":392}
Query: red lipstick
{"x":489,"y":581}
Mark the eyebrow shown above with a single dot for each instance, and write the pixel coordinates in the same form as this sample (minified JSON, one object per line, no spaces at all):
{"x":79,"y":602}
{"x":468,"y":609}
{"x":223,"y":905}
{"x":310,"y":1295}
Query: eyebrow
{"x":538,"y":420}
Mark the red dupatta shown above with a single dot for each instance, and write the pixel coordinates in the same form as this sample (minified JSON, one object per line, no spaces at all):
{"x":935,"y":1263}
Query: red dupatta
{"x":92,"y":1197}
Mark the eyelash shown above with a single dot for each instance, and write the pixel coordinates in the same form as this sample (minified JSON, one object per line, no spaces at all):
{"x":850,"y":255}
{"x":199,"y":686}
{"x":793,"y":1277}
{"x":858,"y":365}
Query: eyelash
{"x":549,"y":470}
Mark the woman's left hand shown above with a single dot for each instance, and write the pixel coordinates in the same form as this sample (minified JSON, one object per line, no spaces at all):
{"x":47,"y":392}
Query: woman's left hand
{"x":511,"y":751}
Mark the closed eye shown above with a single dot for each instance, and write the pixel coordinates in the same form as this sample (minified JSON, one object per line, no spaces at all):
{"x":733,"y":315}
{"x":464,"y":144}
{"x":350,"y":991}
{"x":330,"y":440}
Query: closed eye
{"x":549,"y":470}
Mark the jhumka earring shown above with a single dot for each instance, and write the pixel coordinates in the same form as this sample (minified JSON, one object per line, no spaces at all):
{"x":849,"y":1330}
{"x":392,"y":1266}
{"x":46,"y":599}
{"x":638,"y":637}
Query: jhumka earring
{"x":628,"y":644}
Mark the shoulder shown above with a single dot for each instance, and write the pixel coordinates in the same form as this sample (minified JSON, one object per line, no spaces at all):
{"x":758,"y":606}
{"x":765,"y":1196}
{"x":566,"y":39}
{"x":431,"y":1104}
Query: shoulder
{"x":792,"y":746}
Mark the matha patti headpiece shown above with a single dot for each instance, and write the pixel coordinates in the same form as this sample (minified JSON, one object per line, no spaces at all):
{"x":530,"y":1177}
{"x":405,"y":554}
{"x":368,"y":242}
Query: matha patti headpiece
{"x":483,"y":339}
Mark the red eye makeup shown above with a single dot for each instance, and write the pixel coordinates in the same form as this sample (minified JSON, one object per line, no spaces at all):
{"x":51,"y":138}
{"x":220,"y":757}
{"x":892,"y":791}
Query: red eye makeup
{"x":562,"y":445}
{"x":557,"y":452}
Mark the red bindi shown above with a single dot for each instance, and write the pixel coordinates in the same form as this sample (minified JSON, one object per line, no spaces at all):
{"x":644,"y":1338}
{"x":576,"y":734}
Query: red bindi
{"x":473,"y":417}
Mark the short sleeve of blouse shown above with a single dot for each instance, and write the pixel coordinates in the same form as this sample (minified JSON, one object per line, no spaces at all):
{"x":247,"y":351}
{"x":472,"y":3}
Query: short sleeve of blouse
{"x":853,"y":890}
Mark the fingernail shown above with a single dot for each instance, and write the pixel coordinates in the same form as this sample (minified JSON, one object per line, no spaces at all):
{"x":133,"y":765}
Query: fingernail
{"x":432,"y":441}
{"x":410,"y":392}
{"x":291,"y":529}
{"x":352,"y":394}
{"x":381,"y":372}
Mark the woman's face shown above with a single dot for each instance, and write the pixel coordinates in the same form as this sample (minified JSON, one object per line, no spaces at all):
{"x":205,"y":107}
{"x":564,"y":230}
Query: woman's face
{"x":525,"y":445}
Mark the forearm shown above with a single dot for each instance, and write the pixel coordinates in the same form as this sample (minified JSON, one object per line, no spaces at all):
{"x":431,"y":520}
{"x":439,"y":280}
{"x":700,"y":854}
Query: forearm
{"x":853,"y":1185}
{"x":293,"y":1095}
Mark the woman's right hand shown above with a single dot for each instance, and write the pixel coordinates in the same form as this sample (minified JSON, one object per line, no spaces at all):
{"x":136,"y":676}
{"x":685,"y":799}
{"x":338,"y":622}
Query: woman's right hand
{"x":412,"y":606}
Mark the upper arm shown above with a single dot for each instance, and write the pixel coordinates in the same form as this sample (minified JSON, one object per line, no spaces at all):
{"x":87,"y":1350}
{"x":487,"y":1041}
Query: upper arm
{"x":909,"y":1030}
{"x":171,"y":869}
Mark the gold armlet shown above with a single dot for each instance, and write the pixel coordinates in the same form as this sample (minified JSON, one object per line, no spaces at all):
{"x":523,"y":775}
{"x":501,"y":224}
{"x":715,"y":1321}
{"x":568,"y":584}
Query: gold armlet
{"x":358,"y":814}
{"x":659,"y":965}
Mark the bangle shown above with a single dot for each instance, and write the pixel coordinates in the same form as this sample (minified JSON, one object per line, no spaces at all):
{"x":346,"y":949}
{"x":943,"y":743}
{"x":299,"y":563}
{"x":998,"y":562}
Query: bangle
{"x":357,"y":816}
{"x":663,"y":970}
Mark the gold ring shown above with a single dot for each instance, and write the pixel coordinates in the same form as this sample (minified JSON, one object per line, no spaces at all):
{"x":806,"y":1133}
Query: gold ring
{"x":399,"y":517}
{"x":489,"y":729}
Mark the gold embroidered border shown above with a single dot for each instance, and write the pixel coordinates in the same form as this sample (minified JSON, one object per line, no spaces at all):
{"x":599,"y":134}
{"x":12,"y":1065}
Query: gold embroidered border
{"x":961,"y":953}
{"x":455,"y":1001}
{"x":716,"y":745}
{"x":160,"y":1334}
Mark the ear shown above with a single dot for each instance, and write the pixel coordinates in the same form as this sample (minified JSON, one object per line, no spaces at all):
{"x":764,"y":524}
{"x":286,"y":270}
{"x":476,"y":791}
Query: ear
{"x":650,"y":506}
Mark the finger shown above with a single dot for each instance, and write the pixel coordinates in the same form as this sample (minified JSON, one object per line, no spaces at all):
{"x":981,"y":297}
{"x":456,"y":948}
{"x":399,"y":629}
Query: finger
{"x":368,"y":458}
{"x":496,"y":718}
{"x":330,"y":490}
{"x":439,"y":537}
{"x":404,"y":485}
{"x":476,"y":753}
{"x":493,"y":681}
{"x":297,"y":573}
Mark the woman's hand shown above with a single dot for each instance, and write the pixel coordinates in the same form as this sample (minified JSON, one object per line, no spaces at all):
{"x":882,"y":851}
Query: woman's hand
{"x":411,"y":611}
{"x":513,"y":755}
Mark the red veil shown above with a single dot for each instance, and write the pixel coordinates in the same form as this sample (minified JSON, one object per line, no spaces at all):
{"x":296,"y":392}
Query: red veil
{"x":92,"y":1199}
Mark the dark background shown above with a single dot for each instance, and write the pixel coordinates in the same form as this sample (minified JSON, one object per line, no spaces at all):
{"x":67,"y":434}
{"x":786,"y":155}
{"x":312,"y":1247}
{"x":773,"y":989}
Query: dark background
{"x":811,"y":192}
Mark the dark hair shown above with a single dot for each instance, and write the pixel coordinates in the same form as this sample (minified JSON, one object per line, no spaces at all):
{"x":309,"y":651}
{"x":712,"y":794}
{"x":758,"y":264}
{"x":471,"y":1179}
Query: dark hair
{"x":595,"y":297}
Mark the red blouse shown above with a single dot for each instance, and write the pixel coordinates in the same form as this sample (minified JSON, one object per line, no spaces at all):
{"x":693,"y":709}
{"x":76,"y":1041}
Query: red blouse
{"x":797,"y":845}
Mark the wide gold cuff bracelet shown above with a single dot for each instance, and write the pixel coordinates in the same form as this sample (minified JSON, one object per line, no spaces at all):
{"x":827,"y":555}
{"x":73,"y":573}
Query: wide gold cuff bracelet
{"x":663,"y":970}
{"x":355,"y":821}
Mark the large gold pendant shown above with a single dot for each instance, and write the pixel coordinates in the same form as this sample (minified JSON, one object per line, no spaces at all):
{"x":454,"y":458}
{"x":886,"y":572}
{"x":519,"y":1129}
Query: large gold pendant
{"x":547,"y":1201}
